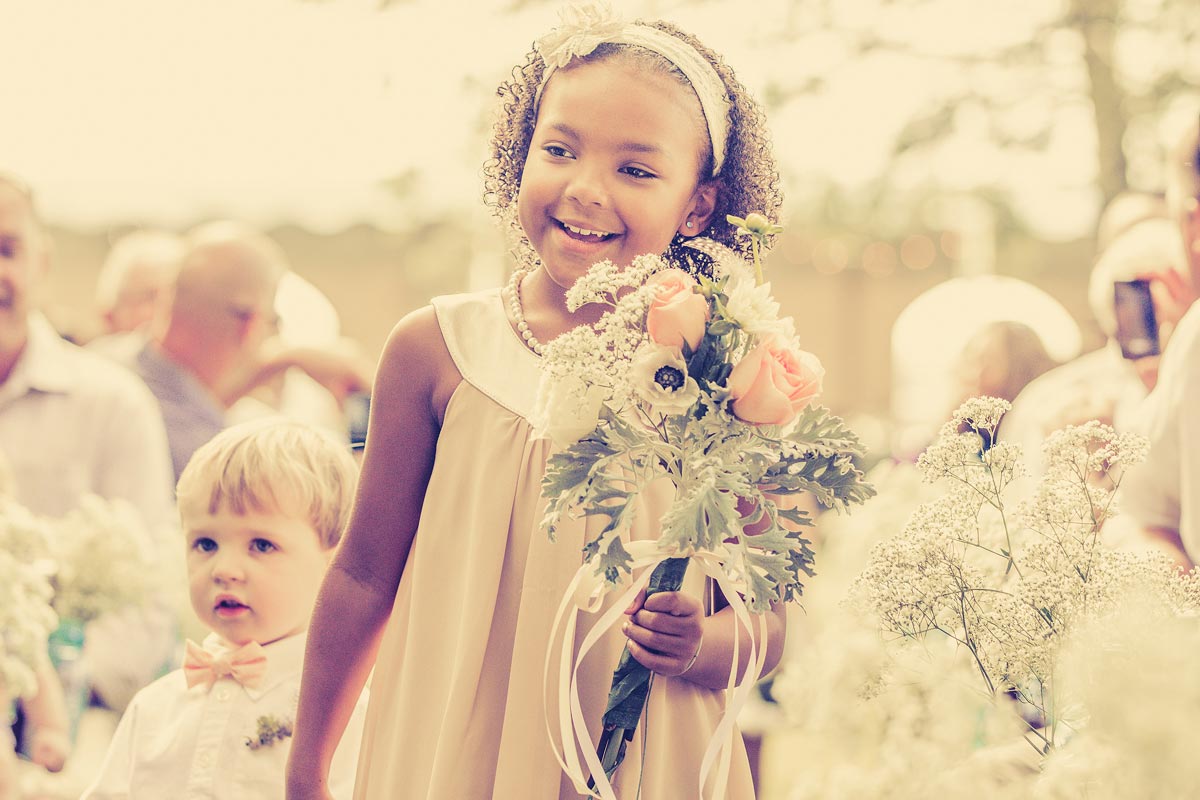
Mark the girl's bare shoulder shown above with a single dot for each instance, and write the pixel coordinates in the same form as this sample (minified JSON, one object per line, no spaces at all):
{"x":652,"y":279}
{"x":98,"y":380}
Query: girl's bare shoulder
{"x":415,"y":360}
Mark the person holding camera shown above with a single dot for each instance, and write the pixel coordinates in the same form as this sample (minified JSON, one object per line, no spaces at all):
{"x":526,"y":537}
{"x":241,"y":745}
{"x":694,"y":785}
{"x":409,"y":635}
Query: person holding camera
{"x":1163,"y":493}
{"x":1107,"y":384}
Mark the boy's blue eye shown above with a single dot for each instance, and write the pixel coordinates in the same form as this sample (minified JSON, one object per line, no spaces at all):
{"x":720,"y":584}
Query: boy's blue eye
{"x":204,"y":544}
{"x":262,"y":546}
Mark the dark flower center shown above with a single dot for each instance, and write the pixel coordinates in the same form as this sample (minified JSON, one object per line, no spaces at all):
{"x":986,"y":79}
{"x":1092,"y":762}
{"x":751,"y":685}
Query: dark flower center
{"x":669,"y":378}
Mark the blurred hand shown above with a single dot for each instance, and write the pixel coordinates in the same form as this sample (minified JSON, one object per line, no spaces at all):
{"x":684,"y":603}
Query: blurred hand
{"x":49,"y":748}
{"x":1173,"y":295}
{"x":341,"y":372}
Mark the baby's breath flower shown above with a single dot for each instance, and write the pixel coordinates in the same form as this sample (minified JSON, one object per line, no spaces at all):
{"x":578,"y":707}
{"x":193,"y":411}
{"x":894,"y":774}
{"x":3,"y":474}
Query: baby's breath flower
{"x":981,"y":413}
{"x":1009,"y":587}
{"x":26,"y":615}
{"x":104,"y":557}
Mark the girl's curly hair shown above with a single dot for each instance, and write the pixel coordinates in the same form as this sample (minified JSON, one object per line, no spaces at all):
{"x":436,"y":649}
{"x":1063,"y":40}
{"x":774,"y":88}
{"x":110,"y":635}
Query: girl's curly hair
{"x":749,"y":178}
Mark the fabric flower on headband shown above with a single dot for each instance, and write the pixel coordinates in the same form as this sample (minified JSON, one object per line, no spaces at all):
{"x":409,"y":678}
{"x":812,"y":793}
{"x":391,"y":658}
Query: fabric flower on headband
{"x":582,"y":28}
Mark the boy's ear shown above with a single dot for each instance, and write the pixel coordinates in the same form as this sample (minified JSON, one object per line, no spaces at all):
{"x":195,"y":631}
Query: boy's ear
{"x":700,"y":211}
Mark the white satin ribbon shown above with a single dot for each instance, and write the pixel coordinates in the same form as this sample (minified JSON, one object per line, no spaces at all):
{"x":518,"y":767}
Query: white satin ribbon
{"x":586,"y":592}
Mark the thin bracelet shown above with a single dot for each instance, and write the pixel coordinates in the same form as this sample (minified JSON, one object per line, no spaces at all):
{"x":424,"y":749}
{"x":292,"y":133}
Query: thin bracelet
{"x":695,"y":655}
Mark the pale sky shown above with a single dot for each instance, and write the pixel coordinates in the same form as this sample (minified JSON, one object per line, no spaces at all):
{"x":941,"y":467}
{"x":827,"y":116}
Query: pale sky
{"x":167,"y":111}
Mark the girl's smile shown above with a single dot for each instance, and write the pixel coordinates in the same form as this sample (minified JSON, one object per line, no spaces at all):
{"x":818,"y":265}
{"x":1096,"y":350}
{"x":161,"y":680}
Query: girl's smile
{"x":584,"y":241}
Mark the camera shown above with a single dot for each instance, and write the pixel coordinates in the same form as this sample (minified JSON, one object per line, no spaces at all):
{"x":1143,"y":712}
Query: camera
{"x":1137,"y":328}
{"x":357,"y":411}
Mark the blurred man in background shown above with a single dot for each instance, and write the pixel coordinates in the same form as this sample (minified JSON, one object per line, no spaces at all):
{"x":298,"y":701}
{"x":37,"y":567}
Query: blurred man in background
{"x":214,"y":345}
{"x":72,"y":423}
{"x":136,"y":279}
{"x":133,"y":289}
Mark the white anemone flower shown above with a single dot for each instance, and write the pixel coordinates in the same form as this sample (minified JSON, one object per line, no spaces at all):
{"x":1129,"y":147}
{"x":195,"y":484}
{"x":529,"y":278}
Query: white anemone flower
{"x":659,"y":376}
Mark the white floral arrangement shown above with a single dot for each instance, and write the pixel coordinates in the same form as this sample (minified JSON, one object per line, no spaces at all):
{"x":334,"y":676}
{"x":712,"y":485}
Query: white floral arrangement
{"x":695,"y":379}
{"x":983,"y":648}
{"x":26,"y":615}
{"x":104,"y":559}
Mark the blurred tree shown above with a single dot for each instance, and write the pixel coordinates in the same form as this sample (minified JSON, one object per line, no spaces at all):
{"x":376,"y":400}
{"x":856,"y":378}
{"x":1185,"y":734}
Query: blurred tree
{"x":1014,"y":69}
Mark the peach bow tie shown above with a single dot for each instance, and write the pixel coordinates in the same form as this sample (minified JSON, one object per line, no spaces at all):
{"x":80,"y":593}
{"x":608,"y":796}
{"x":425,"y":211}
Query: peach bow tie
{"x":246,"y":665}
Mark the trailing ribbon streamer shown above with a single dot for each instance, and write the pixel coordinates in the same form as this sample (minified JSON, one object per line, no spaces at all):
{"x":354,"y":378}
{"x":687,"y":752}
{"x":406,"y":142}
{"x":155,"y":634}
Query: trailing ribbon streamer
{"x":586,"y":592}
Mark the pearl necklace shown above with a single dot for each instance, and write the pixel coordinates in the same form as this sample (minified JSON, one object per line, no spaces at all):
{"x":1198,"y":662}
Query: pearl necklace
{"x":518,"y":313}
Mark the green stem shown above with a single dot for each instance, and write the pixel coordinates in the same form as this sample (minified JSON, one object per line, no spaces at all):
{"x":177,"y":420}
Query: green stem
{"x":631,"y":681}
{"x":754,"y":248}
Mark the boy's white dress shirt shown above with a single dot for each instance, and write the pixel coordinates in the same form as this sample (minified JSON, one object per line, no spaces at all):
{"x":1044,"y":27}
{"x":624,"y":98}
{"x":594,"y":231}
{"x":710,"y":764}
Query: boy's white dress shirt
{"x":187,"y":744}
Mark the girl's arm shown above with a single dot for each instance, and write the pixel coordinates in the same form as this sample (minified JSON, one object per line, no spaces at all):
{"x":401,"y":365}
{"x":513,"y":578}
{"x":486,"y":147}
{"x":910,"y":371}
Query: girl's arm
{"x":712,"y":669}
{"x":413,"y":384}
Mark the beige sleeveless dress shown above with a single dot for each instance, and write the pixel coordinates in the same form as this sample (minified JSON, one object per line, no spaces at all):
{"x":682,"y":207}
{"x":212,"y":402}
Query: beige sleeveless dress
{"x":457,"y":709}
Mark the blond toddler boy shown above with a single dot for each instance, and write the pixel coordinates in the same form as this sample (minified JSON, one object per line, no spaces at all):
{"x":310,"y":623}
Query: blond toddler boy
{"x":262,"y":506}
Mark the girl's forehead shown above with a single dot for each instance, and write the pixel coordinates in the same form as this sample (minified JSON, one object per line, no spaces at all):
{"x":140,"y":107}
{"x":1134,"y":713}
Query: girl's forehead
{"x":614,"y":96}
{"x":619,"y":74}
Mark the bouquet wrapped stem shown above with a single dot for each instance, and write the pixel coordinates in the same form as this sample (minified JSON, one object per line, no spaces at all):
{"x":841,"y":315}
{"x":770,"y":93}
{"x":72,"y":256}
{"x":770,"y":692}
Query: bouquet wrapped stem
{"x":631,"y":681}
{"x":692,"y":377}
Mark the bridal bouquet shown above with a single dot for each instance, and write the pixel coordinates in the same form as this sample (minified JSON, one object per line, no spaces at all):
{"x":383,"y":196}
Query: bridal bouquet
{"x":699,"y":381}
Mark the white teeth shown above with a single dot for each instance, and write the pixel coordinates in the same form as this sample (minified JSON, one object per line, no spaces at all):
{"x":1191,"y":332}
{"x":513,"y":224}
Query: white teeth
{"x":583,"y":232}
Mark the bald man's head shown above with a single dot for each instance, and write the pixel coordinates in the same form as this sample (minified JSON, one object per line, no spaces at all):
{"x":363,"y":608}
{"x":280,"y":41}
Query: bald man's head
{"x":229,"y":269}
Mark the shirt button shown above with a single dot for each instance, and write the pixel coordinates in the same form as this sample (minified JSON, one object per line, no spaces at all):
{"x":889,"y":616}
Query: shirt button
{"x":205,"y":760}
{"x":222,"y":694}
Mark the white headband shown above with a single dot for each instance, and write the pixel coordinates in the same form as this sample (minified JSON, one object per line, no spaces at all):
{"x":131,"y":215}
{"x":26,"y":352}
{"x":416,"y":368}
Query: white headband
{"x":584,"y":27}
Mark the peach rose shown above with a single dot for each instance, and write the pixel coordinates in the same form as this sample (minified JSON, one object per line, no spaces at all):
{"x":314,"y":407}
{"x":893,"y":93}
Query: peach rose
{"x":774,"y":382}
{"x":677,"y":313}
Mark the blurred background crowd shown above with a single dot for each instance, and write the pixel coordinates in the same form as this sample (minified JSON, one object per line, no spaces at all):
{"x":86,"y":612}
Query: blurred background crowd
{"x":235,"y":203}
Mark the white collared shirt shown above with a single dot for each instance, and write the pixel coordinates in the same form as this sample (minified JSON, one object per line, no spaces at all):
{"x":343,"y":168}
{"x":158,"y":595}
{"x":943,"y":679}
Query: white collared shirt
{"x":1164,"y":490}
{"x":190,"y":744}
{"x":72,"y":423}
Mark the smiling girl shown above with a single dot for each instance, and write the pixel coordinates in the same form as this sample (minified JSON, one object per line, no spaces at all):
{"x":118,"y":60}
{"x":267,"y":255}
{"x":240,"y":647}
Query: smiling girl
{"x":616,"y":139}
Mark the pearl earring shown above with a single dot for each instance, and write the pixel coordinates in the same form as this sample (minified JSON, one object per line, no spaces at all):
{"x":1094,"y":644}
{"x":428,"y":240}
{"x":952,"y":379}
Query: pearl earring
{"x":689,"y":223}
